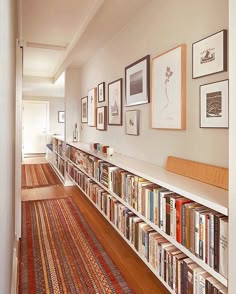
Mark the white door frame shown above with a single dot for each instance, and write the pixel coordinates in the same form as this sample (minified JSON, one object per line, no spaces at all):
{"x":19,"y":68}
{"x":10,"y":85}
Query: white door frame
{"x":47,"y":118}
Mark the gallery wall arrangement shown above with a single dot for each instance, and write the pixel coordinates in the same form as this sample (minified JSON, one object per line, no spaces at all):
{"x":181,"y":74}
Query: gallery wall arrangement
{"x":167,"y":75}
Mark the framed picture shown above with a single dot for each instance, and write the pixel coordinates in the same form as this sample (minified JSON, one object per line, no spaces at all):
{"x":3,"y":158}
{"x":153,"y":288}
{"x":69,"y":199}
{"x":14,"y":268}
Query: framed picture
{"x":101,"y":92}
{"x":132,"y":122}
{"x":169,"y":89}
{"x":115,"y":103}
{"x":84,"y":109}
{"x":210,"y":55}
{"x":102,"y":118}
{"x":92,"y":98}
{"x":61,"y":116}
{"x":214,"y":105}
{"x":137,"y":82}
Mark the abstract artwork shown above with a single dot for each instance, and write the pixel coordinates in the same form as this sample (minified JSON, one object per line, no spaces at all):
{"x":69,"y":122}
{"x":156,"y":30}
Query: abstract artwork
{"x":169,"y":89}
{"x":115,"y":102}
{"x":214,"y":105}
{"x":137,"y":82}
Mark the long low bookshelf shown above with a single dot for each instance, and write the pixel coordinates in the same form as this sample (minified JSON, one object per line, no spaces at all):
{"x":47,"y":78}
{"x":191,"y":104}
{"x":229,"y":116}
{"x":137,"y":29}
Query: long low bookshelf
{"x":126,"y":240}
{"x":210,"y":196}
{"x":185,"y":188}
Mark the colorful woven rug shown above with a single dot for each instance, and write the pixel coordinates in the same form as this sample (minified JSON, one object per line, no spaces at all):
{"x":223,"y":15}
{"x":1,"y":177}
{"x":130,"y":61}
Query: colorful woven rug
{"x":60,"y":254}
{"x":38,"y":175}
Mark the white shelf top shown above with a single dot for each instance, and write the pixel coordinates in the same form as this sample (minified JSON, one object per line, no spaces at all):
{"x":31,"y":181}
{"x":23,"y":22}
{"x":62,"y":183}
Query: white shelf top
{"x":58,"y":137}
{"x":208,"y":195}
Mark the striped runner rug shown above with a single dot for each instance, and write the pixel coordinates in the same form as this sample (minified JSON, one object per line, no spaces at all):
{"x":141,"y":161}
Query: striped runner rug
{"x":60,"y":253}
{"x":38,"y":175}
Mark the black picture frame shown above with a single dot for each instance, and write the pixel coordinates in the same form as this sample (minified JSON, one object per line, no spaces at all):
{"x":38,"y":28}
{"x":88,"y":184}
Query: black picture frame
{"x":101,"y":92}
{"x":137,"y":82}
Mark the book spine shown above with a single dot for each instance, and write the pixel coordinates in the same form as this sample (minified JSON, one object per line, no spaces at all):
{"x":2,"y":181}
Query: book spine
{"x":212,"y":242}
{"x":223,"y":263}
{"x":216,"y":242}
{"x":183,"y":225}
{"x":178,"y":222}
{"x":202,"y":236}
{"x":196,"y":247}
{"x":151,"y":213}
{"x":172,"y":217}
{"x":167,"y":215}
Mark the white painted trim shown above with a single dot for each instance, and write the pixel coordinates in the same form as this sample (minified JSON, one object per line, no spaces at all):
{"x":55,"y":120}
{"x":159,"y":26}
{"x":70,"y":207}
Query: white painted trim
{"x":14,"y":285}
{"x":37,"y":80}
{"x":232,"y":147}
{"x":18,"y":139}
{"x":65,"y":60}
{"x":46,"y":46}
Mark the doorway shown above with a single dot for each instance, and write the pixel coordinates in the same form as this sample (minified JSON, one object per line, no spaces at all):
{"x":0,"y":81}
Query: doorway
{"x":35,"y":126}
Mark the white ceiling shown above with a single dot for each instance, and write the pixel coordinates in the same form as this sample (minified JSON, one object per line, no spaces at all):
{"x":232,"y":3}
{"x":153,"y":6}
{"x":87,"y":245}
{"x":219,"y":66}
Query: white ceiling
{"x":62,"y":33}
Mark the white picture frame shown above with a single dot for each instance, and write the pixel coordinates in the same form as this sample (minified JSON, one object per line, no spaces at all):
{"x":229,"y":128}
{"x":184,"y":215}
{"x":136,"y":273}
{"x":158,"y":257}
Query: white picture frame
{"x":115,"y":103}
{"x":169,"y":89}
{"x":214,"y":105}
{"x":92,"y":98}
{"x":132,"y":121}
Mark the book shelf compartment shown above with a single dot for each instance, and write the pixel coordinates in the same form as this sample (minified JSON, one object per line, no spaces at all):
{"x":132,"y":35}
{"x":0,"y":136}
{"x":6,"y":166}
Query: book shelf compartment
{"x":207,"y":195}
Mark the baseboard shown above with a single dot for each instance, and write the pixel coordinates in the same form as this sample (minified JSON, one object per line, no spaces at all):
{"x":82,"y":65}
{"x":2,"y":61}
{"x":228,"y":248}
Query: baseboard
{"x":14,"y":273}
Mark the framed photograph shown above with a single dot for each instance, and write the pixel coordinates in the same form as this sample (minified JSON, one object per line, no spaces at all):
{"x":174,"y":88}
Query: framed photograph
{"x":84,"y":109}
{"x":132,"y":122}
{"x":102,"y":118}
{"x":210,"y":55}
{"x":92,"y":98}
{"x":169,"y":89}
{"x":214,"y":105}
{"x":137,"y":82}
{"x":115,"y":103}
{"x":101,"y":92}
{"x":61,"y":116}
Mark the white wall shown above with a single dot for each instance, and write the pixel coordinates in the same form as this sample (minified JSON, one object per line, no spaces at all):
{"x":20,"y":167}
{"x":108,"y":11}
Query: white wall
{"x":55,"y":104}
{"x":160,"y":26}
{"x":7,"y":150}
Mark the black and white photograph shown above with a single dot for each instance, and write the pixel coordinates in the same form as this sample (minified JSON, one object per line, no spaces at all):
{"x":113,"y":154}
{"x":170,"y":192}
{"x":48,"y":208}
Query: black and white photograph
{"x":137,"y":82}
{"x":101,"y":92}
{"x":102,"y":118}
{"x":210,"y":55}
{"x":115,"y":102}
{"x":84,"y":109}
{"x":132,"y":122}
{"x":214,"y":106}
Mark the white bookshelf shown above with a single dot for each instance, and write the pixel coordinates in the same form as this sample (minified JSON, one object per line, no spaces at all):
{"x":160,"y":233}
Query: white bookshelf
{"x":50,"y":156}
{"x":126,"y":240}
{"x":207,"y":195}
{"x":200,"y":262}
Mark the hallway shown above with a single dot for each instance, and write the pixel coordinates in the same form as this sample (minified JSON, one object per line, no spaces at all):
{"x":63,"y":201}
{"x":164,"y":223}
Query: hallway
{"x":137,"y":275}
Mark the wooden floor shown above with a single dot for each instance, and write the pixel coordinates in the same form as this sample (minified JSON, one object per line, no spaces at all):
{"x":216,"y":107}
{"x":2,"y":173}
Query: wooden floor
{"x":138,"y":276}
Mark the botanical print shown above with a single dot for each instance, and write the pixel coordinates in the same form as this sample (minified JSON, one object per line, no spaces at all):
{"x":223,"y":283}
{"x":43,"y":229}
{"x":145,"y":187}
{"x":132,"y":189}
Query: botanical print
{"x":101,"y":93}
{"x":167,"y":89}
{"x":101,"y":118}
{"x":84,"y":110}
{"x":136,"y":83}
{"x":214,"y":104}
{"x":169,"y":73}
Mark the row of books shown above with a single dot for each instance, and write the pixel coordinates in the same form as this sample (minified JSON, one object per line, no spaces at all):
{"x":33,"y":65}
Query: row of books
{"x":201,"y":230}
{"x":181,"y":273}
{"x":58,"y":162}
{"x":58,"y":147}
